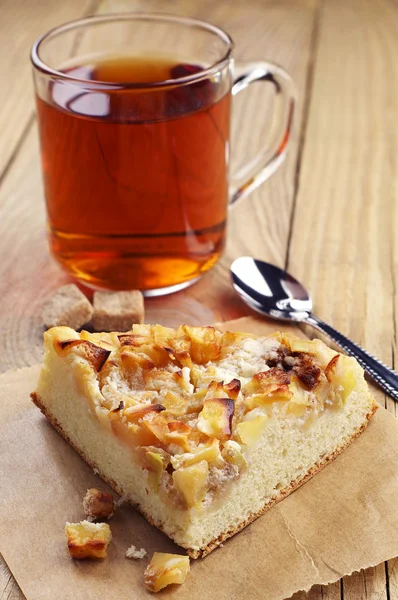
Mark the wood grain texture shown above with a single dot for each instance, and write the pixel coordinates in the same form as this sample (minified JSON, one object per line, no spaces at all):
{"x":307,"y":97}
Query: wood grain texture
{"x":343,"y":241}
{"x":366,"y":585}
{"x":343,"y":244}
{"x":392,"y":577}
{"x":9,"y":589}
{"x":321,"y":592}
{"x":21,"y":23}
{"x":330,"y":213}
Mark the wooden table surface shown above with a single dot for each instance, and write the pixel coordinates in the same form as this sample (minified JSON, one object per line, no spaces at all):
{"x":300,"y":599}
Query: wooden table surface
{"x":328,"y":215}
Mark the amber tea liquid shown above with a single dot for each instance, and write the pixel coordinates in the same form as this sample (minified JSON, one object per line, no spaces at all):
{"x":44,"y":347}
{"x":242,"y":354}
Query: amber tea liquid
{"x":135,"y":179}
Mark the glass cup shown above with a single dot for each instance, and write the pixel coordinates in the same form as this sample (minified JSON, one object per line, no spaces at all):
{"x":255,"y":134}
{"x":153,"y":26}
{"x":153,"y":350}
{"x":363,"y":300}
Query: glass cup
{"x":134,"y":123}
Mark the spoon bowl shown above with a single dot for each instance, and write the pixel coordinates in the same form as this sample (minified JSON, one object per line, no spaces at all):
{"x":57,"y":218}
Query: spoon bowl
{"x":270,"y":290}
{"x":273,"y":292}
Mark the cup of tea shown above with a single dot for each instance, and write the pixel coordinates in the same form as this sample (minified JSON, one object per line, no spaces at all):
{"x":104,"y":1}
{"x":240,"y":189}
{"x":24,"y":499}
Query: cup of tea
{"x":134,"y":119}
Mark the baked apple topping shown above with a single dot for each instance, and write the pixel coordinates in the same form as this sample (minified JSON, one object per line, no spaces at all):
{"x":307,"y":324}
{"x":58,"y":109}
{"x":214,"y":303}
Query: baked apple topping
{"x":193,"y":402}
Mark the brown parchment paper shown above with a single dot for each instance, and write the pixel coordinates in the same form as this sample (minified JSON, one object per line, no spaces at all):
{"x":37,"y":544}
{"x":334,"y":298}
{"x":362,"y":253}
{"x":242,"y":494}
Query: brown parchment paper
{"x":342,"y":520}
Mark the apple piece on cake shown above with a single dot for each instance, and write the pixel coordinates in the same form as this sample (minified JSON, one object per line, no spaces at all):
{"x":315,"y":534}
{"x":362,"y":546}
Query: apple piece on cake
{"x":202,"y":431}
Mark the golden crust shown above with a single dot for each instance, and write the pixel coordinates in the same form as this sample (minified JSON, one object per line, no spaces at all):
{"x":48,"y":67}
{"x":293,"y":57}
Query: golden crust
{"x":202,"y":552}
{"x":94,"y":354}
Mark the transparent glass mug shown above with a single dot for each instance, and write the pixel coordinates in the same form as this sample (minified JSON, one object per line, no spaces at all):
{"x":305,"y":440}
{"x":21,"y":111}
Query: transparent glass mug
{"x":134,"y":122}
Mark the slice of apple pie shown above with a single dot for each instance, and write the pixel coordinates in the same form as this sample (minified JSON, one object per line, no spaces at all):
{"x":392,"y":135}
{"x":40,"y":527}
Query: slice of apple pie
{"x":202,"y":431}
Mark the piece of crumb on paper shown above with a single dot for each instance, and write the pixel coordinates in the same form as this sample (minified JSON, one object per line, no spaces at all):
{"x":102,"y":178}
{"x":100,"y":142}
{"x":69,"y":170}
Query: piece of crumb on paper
{"x":121,"y":500}
{"x":132,"y":552}
{"x":98,"y":505}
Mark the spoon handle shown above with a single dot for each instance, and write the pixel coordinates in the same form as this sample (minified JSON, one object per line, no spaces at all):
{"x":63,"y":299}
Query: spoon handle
{"x":383,"y":375}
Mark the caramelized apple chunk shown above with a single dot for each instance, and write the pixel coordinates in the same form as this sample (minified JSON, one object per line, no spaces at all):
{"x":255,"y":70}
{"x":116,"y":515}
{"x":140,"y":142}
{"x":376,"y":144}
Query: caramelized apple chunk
{"x":210,"y":452}
{"x":87,"y":540}
{"x":175,"y":404}
{"x":341,"y":373}
{"x":155,"y":461}
{"x":165,"y":569}
{"x":232,"y":388}
{"x":191,"y":481}
{"x":250,"y":430}
{"x":321,"y":353}
{"x":179,"y":434}
{"x":232,"y":453}
{"x":299,"y":399}
{"x":154,"y":458}
{"x":95,"y":355}
{"x":215,"y":420}
{"x":134,"y":413}
{"x":274,"y":381}
{"x":205,"y":343}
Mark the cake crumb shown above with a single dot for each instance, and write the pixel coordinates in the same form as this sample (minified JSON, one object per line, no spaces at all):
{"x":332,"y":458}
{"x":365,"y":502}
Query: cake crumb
{"x":164,"y":570}
{"x":98,"y":505}
{"x":68,"y":307}
{"x":88,"y":540}
{"x":132,"y":552}
{"x":117,"y":311}
{"x":122,"y":500}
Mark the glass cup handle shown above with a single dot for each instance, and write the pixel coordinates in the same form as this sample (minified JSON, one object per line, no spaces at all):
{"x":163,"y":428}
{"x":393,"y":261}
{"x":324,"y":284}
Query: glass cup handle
{"x":257,"y":170}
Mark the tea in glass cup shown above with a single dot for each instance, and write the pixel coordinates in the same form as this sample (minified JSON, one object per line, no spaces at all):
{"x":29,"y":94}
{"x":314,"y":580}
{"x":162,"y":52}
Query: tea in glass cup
{"x":134,"y":122}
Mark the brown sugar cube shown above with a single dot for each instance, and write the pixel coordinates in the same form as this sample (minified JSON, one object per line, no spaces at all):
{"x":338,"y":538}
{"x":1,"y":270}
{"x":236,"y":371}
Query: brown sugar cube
{"x":117,"y":311}
{"x":98,"y":505}
{"x":68,"y":306}
{"x":87,"y":540}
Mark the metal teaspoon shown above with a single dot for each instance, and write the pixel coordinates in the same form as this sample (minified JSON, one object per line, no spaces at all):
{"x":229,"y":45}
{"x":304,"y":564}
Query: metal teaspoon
{"x":273,"y":292}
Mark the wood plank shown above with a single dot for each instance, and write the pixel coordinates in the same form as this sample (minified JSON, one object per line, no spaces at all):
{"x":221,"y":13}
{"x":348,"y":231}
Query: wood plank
{"x":321,"y":592}
{"x":21,"y":23}
{"x":392,"y":573}
{"x":9,"y":589}
{"x":369,"y":584}
{"x":343,"y":237}
{"x":343,"y":243}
